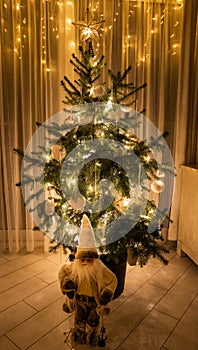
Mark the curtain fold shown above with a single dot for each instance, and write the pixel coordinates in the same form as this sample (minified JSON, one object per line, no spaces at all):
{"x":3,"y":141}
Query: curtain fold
{"x":186,"y":121}
{"x":37,"y":39}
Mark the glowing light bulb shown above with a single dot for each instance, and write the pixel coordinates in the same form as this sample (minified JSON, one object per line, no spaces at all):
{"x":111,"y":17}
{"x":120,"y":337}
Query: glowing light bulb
{"x":90,"y":188}
{"x":72,"y":44}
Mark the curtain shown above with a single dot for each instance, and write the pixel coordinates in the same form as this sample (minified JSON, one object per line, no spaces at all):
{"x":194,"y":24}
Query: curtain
{"x":185,"y":148}
{"x":36,"y":42}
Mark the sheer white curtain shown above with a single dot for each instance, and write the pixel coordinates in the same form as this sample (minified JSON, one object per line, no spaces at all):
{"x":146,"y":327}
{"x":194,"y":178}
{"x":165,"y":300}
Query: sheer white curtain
{"x":35,"y":43}
{"x":37,"y":40}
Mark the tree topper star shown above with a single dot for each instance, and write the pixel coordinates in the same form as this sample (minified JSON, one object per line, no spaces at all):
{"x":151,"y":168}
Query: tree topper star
{"x":90,"y":28}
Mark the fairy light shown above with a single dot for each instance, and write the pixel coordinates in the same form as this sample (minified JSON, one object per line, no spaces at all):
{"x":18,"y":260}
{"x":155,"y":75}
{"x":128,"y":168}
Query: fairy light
{"x":72,"y":44}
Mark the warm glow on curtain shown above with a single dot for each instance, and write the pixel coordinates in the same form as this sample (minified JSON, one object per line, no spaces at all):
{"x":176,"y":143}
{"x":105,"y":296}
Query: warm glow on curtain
{"x":37,"y":40}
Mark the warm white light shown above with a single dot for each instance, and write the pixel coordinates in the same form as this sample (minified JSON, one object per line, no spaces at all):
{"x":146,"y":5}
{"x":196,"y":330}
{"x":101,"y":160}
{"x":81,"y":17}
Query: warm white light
{"x":91,"y":91}
{"x":126,"y":202}
{"x":68,"y":20}
{"x":17,"y":7}
{"x":175,"y":46}
{"x":72,"y":44}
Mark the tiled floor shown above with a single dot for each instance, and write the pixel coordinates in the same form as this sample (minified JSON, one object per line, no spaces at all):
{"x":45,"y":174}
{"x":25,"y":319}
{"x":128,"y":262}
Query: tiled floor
{"x":157,"y":310}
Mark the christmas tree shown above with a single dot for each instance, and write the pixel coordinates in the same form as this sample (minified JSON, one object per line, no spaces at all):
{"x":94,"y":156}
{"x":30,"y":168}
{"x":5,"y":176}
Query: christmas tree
{"x":91,"y":96}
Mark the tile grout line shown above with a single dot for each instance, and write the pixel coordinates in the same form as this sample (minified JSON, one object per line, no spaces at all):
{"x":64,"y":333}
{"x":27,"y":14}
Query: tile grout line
{"x":179,"y":319}
{"x":28,"y":278}
{"x":29,"y":346}
{"x":140,"y":288}
{"x":153,"y":308}
{"x":12,"y":342}
{"x":22,"y":267}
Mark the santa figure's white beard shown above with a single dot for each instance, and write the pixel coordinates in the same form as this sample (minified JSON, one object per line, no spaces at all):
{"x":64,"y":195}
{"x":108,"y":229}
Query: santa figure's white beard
{"x":89,"y":273}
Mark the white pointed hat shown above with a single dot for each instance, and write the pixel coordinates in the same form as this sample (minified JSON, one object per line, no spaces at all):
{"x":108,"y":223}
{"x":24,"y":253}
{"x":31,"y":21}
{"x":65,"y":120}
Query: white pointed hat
{"x":87,"y":244}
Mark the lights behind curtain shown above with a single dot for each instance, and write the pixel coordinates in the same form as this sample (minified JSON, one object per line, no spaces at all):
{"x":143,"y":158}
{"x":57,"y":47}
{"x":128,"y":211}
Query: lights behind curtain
{"x":37,"y":40}
{"x":146,"y":35}
{"x":33,"y":58}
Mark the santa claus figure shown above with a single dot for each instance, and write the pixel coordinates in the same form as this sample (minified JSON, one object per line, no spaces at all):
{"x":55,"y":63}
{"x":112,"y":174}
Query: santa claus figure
{"x":88,"y":286}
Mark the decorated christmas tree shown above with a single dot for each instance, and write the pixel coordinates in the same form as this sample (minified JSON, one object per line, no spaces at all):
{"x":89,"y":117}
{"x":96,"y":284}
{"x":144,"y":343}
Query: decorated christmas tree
{"x":112,"y":190}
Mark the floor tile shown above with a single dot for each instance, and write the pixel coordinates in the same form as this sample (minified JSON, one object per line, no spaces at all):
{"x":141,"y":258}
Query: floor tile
{"x":185,"y":335}
{"x":159,"y":301}
{"x":151,"y":333}
{"x":38,"y":325}
{"x":45,"y":296}
{"x":13,"y":279}
{"x":2,"y":260}
{"x":18,"y":263}
{"x":128,"y":315}
{"x":6,"y":344}
{"x":50,"y":275}
{"x":21,"y":291}
{"x":16,"y":314}
{"x":55,"y":339}
{"x":38,"y":267}
{"x":167,"y":275}
{"x":57,"y":258}
{"x":179,"y":297}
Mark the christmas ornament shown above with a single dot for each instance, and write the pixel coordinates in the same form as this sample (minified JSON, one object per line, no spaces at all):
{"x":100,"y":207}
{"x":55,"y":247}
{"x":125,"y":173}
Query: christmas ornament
{"x":89,"y":29}
{"x":158,"y":186}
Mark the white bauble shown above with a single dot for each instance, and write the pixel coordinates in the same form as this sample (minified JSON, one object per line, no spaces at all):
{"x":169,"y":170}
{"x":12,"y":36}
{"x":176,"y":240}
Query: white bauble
{"x":158,"y":186}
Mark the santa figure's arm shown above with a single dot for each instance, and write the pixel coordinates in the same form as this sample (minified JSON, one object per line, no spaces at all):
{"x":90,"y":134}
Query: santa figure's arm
{"x":109,"y":286}
{"x":67,"y":286}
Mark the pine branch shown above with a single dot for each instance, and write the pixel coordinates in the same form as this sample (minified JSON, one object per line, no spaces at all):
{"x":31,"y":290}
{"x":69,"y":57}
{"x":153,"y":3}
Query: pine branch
{"x":18,"y":152}
{"x":83,"y":65}
{"x":125,"y":73}
{"x":96,"y":78}
{"x":77,"y":69}
{"x":132,"y":92}
{"x":72,"y":85}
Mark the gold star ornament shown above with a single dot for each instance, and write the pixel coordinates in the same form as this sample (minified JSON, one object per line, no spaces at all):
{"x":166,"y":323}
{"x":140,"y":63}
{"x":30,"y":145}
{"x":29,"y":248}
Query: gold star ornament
{"x":90,"y":28}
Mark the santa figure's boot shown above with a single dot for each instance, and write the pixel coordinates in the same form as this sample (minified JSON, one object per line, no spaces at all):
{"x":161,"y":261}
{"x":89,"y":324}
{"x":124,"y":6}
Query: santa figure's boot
{"x":92,"y":335}
{"x":79,"y":334}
